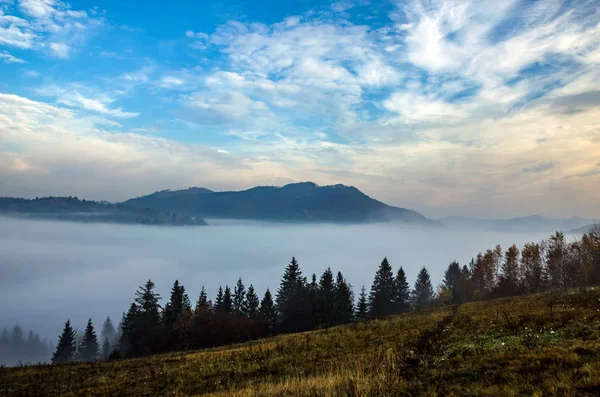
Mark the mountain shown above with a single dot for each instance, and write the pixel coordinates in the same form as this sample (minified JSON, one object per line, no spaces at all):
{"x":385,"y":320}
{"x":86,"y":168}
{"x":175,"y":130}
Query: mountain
{"x":74,"y":209}
{"x":304,"y":201}
{"x":585,"y":229}
{"x":534,"y":223}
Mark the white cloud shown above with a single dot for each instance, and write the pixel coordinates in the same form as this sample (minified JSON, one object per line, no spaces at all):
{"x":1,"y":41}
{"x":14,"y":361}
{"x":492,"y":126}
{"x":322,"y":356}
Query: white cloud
{"x":46,"y":25}
{"x":78,"y":96}
{"x":8,"y":58}
{"x":61,"y":50}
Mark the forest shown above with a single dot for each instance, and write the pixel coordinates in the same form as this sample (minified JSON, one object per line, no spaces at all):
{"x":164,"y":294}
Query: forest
{"x":302,"y":304}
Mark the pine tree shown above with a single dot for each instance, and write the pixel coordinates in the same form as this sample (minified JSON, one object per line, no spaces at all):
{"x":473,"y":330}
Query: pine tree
{"x":219,"y":300}
{"x":402,"y":298}
{"x":227,"y":301}
{"x":293,"y":302}
{"x":556,"y":259}
{"x":141,"y":324}
{"x":381,"y":298}
{"x":251,"y":303}
{"x":203,"y":302}
{"x":326,"y":295}
{"x":108,"y":331}
{"x":106,"y":346}
{"x":362,"y":306}
{"x":267,"y":312}
{"x":343,"y":308}
{"x":423,"y":292}
{"x":66,"y":348}
{"x":89,"y":346}
{"x":178,"y":306}
{"x":239,"y":295}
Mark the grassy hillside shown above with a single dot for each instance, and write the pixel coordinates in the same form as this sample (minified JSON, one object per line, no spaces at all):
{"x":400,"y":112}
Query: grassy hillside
{"x":545,"y":344}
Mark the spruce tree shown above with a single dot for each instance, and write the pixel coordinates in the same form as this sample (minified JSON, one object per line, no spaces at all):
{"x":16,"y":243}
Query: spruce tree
{"x":142,"y":323}
{"x":383,"y":291}
{"x":219,"y":300}
{"x":108,"y":331}
{"x":66,"y":348}
{"x":178,"y":306}
{"x":293,"y":302}
{"x":267,"y":312}
{"x":106,"y":346}
{"x":251,"y":303}
{"x":326,"y":299}
{"x":362,"y":305}
{"x":227,"y":301}
{"x":343,"y":309}
{"x":239,"y":295}
{"x":203,"y":302}
{"x":423,"y":292}
{"x":89,"y":345}
{"x":402,"y":289}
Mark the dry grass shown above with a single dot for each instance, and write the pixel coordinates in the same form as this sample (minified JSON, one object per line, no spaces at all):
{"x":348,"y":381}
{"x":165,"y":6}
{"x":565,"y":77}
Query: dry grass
{"x":545,"y":344}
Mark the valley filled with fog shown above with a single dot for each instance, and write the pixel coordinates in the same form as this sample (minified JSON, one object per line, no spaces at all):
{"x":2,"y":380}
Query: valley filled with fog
{"x":54,"y":271}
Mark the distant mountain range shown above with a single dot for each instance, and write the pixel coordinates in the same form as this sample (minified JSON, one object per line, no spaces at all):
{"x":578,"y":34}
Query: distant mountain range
{"x":76,"y":210}
{"x":585,"y":229}
{"x":534,"y":223}
{"x":303,"y":202}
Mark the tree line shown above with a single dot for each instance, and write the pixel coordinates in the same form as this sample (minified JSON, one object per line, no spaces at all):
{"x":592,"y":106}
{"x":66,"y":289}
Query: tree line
{"x":300,"y":305}
{"x":16,"y":349}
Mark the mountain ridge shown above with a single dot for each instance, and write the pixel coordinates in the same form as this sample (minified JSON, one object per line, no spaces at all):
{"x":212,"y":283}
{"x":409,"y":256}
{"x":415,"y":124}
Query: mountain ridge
{"x":302,"y":201}
{"x":523,"y":223}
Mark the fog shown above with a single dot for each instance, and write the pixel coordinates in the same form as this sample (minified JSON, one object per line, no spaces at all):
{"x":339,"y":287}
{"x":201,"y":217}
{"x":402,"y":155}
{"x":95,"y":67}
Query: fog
{"x":54,"y":271}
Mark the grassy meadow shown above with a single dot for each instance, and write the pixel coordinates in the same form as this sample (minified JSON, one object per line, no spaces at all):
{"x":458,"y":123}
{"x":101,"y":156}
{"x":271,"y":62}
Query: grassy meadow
{"x":536,"y":345}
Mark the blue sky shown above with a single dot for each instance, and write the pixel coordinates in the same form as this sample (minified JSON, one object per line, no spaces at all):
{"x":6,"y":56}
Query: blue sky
{"x":488,"y":108}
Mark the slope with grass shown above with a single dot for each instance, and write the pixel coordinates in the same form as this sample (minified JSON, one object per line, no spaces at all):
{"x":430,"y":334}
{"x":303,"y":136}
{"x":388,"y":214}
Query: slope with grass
{"x":543,"y":344}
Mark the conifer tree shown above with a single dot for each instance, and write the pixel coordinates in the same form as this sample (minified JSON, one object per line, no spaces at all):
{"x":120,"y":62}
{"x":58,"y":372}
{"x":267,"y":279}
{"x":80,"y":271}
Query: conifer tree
{"x":239,"y":295}
{"x":343,"y":309}
{"x":362,"y":305}
{"x":293,"y":300}
{"x":108,"y":331}
{"x":227,"y":301}
{"x":402,"y":298}
{"x":203,"y":303}
{"x":66,"y":348}
{"x":326,"y":299}
{"x":251,"y":303}
{"x":178,"y":306}
{"x":219,"y":300}
{"x":142,"y":323}
{"x":423,"y":292}
{"x":89,"y":345}
{"x":106,"y":346}
{"x":267,"y":312}
{"x":381,"y":298}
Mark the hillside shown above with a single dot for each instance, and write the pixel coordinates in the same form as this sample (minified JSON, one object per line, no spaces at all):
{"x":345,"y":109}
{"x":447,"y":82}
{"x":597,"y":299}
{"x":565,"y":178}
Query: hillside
{"x":543,"y":344}
{"x":76,"y":210}
{"x":294,"y":202}
{"x":585,"y":229}
{"x":534,"y":223}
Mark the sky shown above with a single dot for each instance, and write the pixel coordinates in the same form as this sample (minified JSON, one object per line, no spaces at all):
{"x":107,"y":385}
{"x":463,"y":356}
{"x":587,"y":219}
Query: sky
{"x":487,"y":108}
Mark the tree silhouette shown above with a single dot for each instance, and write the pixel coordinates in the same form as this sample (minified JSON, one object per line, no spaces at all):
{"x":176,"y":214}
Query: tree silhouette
{"x":362,"y":305}
{"x":343,"y":308}
{"x":239,"y":295}
{"x":66,"y":348}
{"x":381,"y":298}
{"x":267,"y":313}
{"x":89,"y":347}
{"x":423,"y":292}
{"x":402,"y":298}
{"x":251,"y":303}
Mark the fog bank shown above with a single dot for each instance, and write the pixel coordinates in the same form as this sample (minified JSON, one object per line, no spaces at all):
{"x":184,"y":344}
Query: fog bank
{"x":54,"y":271}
